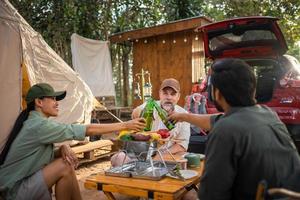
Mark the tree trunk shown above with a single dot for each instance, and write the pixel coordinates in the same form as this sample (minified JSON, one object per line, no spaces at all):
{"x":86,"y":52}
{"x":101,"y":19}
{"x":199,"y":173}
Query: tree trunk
{"x":125,"y":63}
{"x":119,"y":72}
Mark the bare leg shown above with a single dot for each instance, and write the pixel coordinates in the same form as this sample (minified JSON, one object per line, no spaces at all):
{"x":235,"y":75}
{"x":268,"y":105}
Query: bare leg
{"x":190,"y":195}
{"x":63,"y":176}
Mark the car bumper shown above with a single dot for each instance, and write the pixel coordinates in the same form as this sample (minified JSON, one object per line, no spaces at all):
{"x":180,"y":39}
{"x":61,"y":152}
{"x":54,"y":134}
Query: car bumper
{"x":288,"y":115}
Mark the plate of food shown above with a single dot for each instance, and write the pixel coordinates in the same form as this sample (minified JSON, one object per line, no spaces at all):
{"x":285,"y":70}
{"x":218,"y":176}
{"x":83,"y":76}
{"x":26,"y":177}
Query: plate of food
{"x":147,"y":136}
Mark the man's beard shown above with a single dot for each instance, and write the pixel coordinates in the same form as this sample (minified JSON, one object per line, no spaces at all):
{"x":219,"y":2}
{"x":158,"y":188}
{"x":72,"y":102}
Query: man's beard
{"x":168,"y":106}
{"x":218,"y":107}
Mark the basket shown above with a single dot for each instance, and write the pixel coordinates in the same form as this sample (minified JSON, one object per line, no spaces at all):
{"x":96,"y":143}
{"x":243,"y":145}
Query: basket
{"x":140,"y":150}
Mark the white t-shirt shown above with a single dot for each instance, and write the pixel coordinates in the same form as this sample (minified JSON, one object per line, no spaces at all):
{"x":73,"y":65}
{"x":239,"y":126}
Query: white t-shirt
{"x":181,"y":131}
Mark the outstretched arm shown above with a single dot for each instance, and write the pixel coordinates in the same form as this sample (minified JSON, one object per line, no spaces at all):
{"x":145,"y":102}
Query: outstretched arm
{"x":200,"y":120}
{"x":98,"y":129}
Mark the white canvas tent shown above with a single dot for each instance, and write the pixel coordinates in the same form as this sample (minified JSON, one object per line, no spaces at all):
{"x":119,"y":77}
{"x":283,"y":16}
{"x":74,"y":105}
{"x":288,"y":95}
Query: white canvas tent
{"x":26,"y":59}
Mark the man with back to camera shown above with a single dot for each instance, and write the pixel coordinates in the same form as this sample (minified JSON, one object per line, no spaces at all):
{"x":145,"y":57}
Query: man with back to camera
{"x":247,"y":144}
{"x":169,"y":94}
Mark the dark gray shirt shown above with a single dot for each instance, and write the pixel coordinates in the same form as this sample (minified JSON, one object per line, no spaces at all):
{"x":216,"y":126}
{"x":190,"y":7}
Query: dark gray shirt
{"x":247,"y":145}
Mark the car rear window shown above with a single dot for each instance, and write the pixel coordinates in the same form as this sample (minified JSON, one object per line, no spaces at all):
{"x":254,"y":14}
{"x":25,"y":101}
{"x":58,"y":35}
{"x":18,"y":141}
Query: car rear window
{"x":265,"y":66}
{"x":241,"y":38}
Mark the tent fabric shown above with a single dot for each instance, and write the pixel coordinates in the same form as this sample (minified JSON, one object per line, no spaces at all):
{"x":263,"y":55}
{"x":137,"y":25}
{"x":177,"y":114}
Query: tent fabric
{"x":10,"y":74}
{"x":91,"y":59}
{"x":20,"y":46}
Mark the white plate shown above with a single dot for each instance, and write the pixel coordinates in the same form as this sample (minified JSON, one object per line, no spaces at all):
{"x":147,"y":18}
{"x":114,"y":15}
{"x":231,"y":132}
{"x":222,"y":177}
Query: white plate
{"x":187,"y":174}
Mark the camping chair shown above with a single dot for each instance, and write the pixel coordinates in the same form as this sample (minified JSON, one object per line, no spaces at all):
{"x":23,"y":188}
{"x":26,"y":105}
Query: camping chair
{"x":196,"y":103}
{"x":263,"y":193}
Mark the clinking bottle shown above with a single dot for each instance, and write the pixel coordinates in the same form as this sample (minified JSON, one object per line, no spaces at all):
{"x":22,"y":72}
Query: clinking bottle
{"x":147,"y":114}
{"x":164,"y":117}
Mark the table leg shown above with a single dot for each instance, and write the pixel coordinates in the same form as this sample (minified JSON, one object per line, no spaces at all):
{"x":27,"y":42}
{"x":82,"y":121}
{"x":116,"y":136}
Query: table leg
{"x":190,"y":187}
{"x":109,"y":195}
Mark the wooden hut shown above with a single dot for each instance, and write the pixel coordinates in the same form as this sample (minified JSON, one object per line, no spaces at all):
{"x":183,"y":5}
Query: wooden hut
{"x":168,"y":50}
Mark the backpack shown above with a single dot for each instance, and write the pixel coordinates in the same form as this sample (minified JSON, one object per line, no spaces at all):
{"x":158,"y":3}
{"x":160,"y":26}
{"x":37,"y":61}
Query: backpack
{"x":196,"y":103}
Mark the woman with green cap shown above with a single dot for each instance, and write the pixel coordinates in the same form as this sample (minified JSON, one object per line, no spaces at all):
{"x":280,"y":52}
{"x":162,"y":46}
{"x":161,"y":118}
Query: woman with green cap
{"x":28,"y":169}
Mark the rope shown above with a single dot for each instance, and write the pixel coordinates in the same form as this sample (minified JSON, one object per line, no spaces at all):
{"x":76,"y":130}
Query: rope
{"x":114,"y":116}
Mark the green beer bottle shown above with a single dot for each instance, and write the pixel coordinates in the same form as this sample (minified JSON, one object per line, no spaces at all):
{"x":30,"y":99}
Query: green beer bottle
{"x":164,"y":116}
{"x":147,"y":114}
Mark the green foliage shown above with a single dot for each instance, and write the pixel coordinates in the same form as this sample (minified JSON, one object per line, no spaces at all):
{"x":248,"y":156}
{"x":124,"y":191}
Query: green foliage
{"x":295,"y":50}
{"x":182,"y":9}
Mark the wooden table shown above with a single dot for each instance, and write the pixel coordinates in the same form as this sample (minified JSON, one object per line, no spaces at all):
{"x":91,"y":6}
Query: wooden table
{"x":165,"y":189}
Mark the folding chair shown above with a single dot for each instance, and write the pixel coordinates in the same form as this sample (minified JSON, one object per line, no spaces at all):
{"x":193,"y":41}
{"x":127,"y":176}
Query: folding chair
{"x":263,"y":193}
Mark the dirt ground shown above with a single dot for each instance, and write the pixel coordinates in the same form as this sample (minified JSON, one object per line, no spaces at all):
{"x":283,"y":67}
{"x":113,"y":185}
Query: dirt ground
{"x":86,"y":170}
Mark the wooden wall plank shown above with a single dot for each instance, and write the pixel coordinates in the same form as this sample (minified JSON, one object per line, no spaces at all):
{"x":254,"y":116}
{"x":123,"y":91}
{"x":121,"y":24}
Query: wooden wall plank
{"x":166,"y":56}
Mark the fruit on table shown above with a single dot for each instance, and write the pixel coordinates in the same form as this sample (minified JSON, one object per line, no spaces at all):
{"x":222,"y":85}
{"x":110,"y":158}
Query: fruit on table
{"x":126,"y":137}
{"x":124,"y":132}
{"x":155,"y":136}
{"x":141,"y":137}
{"x":164,"y":133}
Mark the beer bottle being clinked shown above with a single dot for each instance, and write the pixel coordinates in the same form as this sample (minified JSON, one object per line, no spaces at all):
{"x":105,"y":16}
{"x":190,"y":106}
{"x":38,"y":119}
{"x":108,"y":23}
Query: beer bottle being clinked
{"x":147,"y":114}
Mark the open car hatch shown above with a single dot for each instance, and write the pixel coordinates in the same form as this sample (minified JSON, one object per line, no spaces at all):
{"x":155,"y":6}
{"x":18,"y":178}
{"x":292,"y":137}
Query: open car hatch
{"x":246,"y":37}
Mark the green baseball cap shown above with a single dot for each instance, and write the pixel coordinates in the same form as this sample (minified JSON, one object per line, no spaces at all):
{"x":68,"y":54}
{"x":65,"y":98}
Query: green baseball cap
{"x":43,"y":90}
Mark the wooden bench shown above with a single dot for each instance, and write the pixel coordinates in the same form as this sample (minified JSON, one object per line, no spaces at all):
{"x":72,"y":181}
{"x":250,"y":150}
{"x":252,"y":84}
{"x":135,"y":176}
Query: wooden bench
{"x":93,"y":150}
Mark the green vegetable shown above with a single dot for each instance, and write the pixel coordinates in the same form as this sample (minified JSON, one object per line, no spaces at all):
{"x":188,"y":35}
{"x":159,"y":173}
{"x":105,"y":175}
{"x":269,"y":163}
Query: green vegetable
{"x":126,"y":137}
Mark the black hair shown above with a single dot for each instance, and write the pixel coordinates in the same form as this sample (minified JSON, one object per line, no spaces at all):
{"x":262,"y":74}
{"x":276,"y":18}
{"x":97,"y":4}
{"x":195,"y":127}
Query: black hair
{"x":16,"y":129}
{"x":235,"y":80}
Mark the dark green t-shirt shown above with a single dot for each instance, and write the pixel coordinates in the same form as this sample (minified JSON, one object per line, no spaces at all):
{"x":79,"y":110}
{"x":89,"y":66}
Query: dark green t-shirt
{"x":245,"y":146}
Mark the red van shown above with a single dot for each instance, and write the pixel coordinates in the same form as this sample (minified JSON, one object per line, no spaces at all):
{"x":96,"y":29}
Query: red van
{"x":260,"y":42}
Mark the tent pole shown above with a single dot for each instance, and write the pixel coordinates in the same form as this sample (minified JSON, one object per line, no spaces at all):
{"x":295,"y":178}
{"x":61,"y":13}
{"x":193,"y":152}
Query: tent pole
{"x":112,"y":114}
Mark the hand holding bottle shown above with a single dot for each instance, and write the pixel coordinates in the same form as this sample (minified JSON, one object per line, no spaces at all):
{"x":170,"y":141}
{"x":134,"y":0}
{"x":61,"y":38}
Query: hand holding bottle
{"x":147,"y":114}
{"x":137,"y":124}
{"x":176,"y":117}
